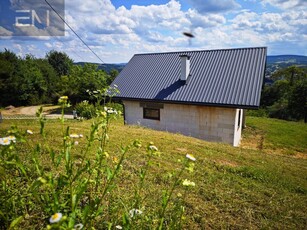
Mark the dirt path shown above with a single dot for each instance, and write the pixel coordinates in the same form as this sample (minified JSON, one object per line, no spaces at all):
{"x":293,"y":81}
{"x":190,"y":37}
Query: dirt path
{"x":31,"y":111}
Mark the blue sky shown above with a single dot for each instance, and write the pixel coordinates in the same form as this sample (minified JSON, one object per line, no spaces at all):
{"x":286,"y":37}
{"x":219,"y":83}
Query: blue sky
{"x":117,"y":29}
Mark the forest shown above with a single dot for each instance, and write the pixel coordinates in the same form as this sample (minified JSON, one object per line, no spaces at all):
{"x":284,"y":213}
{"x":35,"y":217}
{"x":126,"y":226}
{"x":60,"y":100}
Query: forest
{"x":32,"y":81}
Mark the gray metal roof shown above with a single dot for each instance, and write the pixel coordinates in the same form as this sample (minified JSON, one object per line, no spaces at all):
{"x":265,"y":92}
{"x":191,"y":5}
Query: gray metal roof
{"x":226,"y":77}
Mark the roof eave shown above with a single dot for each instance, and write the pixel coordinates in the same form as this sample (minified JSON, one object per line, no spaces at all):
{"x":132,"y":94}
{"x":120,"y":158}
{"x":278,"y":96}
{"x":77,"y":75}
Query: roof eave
{"x":189,"y":103}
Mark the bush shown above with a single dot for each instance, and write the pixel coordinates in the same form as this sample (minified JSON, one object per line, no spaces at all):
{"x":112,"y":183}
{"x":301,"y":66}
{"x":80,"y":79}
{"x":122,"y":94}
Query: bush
{"x":86,"y":110}
{"x":257,"y":113}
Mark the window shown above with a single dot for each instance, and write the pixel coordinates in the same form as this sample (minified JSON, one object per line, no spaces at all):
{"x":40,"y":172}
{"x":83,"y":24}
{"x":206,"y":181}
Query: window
{"x":151,"y":113}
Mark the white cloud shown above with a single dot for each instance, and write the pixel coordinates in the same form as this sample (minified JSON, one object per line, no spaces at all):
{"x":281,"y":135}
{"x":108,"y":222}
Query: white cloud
{"x":214,"y":5}
{"x":115,"y":34}
{"x":287,"y":4}
{"x":18,"y":49}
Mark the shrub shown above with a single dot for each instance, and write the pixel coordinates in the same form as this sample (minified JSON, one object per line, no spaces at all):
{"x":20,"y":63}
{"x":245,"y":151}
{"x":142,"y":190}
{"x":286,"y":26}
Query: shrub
{"x":86,"y":110}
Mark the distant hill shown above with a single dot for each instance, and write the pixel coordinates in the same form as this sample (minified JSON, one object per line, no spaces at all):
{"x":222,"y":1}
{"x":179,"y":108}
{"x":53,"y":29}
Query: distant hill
{"x":287,"y":59}
{"x":105,"y":67}
{"x":274,"y":62}
{"x":283,"y":61}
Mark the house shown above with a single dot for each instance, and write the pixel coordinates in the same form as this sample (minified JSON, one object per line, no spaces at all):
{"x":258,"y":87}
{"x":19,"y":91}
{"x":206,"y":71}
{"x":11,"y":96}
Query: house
{"x":196,"y":93}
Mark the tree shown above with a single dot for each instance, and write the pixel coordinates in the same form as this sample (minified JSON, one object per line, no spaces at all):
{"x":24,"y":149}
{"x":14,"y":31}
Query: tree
{"x":9,"y":65}
{"x":60,"y":61}
{"x":286,"y":98}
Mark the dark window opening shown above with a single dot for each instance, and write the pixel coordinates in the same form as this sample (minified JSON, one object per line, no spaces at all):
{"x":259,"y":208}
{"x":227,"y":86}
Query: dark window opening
{"x":151,"y":113}
{"x":239,"y":119}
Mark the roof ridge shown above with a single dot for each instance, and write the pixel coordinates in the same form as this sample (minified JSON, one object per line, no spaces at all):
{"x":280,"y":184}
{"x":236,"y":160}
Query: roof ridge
{"x":196,"y":51}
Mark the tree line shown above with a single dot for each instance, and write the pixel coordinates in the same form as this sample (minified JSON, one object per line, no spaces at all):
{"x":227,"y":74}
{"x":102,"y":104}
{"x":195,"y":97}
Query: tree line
{"x":286,"y":97}
{"x":33,"y":81}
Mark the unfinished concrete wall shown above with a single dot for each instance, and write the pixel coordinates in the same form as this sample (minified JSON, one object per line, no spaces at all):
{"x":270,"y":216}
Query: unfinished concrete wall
{"x":208,"y":123}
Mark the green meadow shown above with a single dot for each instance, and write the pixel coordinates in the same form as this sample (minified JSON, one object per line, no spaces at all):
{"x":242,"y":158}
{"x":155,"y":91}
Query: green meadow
{"x":260,"y":185}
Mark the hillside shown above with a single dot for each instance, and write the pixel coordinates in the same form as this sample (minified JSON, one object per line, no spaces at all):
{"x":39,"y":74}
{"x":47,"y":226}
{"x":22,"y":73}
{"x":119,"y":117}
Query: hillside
{"x":260,"y":185}
{"x":283,"y":61}
{"x":105,"y":67}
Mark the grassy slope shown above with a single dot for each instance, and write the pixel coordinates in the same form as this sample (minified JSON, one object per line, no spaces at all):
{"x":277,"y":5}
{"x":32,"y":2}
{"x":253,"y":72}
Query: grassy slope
{"x":262,"y":184}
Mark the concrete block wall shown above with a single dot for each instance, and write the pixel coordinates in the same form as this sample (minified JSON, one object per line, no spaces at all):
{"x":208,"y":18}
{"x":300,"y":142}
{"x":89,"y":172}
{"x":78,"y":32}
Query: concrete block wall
{"x":208,"y":123}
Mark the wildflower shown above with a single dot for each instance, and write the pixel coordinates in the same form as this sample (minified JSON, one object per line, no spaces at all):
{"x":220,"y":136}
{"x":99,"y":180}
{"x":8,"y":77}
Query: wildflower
{"x":134,"y":212}
{"x":137,"y":144}
{"x":188,"y":183}
{"x":190,"y":167}
{"x":191,"y":157}
{"x":42,"y":180}
{"x":64,"y":97}
{"x":110,"y":111}
{"x":118,"y":227}
{"x":80,"y":135}
{"x":55,"y":218}
{"x":78,"y":226}
{"x":115,"y":160}
{"x":5,"y":141}
{"x":29,"y":131}
{"x":76,"y":142}
{"x":153,"y":148}
{"x":74,"y":135}
{"x":12,"y":138}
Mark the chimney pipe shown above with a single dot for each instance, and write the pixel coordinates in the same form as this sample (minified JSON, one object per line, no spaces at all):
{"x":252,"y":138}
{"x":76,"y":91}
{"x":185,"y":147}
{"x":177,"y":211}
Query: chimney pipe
{"x":185,"y":67}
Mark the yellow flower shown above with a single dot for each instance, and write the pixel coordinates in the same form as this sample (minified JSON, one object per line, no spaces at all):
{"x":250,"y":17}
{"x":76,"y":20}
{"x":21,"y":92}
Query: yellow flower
{"x":63,"y":99}
{"x":115,"y":160}
{"x":55,"y":218}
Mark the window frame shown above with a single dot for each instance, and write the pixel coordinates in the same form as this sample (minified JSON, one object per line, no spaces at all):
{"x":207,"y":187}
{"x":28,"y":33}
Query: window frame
{"x":151,"y":117}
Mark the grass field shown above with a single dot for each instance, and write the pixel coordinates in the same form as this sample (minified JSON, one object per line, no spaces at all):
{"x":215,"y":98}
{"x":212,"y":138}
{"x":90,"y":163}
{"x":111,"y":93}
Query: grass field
{"x":260,"y":185}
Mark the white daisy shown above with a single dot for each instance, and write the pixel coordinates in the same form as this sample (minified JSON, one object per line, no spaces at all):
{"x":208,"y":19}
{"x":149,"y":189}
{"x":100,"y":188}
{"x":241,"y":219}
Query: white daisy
{"x":29,"y":131}
{"x":5,"y":141}
{"x":154,"y":148}
{"x":188,"y":183}
{"x":134,"y":212}
{"x":74,"y":135}
{"x":191,"y":157}
{"x":55,"y":218}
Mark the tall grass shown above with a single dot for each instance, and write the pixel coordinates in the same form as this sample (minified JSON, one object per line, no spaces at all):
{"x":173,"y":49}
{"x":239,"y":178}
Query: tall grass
{"x":122,"y":181}
{"x":71,"y":185}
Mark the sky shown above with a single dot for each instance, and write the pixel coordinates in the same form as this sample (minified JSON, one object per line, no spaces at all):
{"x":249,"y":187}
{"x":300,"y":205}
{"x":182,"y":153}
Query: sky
{"x":115,"y":30}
